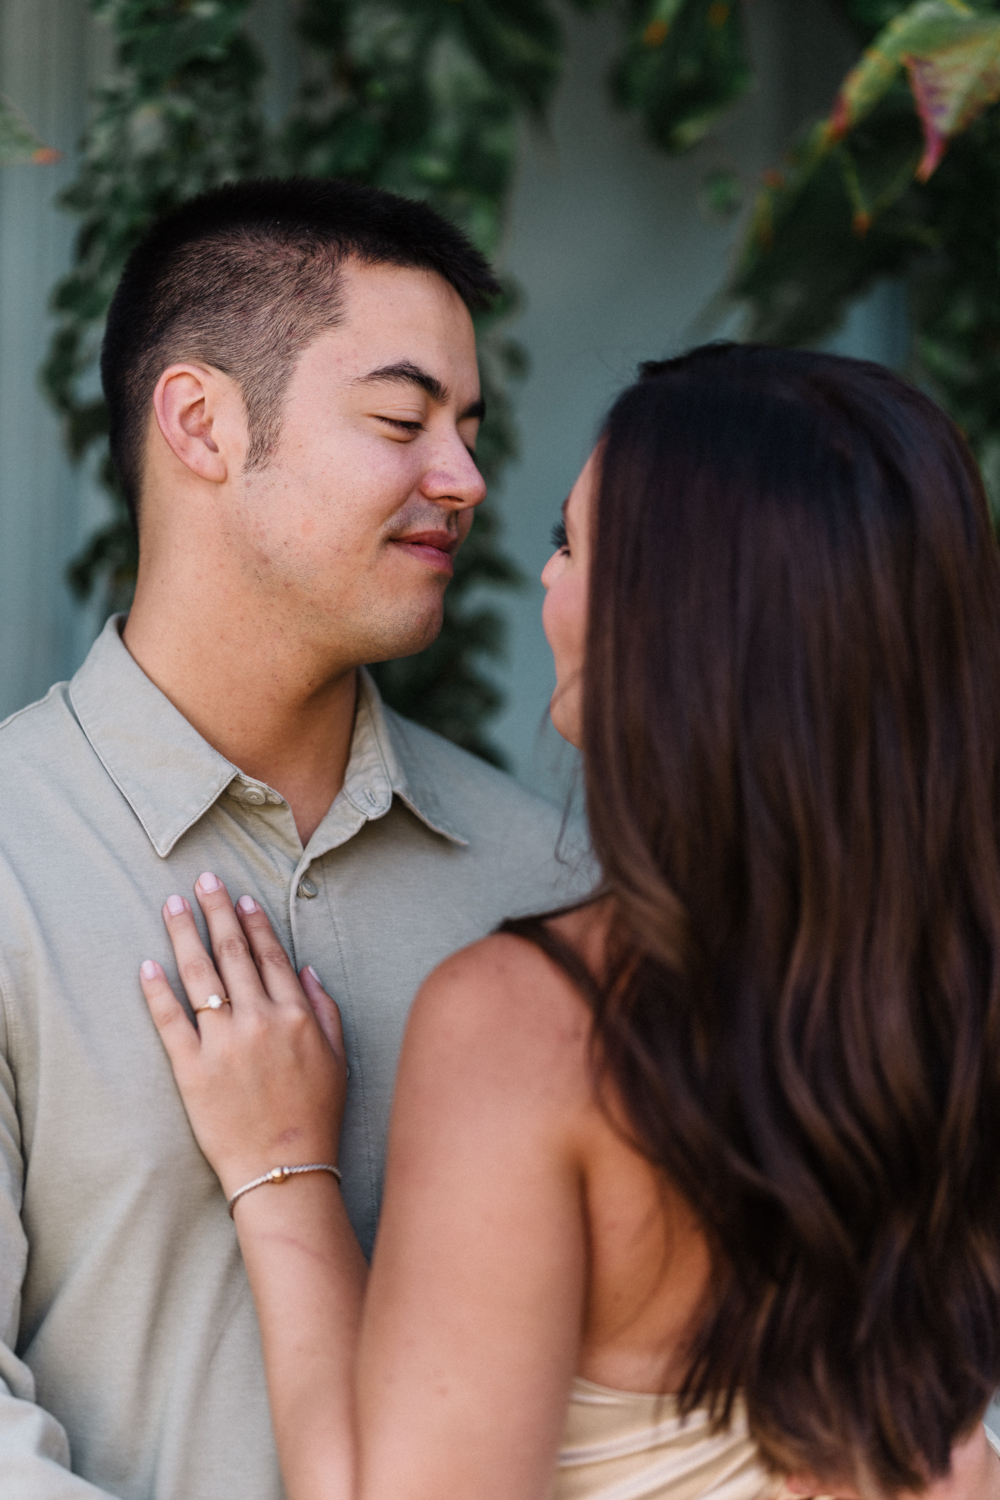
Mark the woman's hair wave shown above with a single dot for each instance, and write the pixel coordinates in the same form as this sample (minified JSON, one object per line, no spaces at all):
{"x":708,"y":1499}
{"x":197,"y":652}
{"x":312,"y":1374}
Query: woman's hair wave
{"x":792,"y":761}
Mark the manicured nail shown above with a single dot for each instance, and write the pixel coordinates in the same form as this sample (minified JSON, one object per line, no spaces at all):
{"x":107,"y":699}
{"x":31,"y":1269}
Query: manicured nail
{"x":247,"y":904}
{"x":209,"y":882}
{"x":175,"y":905}
{"x":149,"y":970}
{"x":314,"y":974}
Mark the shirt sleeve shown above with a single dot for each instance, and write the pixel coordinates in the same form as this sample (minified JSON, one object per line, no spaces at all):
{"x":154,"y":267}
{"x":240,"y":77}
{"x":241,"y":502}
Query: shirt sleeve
{"x":34,"y":1447}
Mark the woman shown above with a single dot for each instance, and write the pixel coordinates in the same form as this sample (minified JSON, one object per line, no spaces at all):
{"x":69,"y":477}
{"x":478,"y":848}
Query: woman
{"x":728,"y":1132}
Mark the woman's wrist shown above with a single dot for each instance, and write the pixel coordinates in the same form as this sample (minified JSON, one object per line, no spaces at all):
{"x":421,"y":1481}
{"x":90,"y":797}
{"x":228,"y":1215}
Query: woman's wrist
{"x":236,"y":1168}
{"x":304,"y":1216}
{"x":278,"y":1176}
{"x":276,"y":1195}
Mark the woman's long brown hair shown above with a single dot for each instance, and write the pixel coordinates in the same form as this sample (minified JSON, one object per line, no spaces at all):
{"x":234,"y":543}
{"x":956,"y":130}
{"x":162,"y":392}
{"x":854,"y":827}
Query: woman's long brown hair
{"x":792,"y":761}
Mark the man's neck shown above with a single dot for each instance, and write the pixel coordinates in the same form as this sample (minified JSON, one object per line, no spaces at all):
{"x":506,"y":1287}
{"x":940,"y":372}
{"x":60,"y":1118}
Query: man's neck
{"x":261,"y":699}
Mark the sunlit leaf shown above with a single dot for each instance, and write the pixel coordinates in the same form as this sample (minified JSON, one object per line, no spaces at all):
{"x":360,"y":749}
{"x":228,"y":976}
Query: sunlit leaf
{"x":952,"y":56}
{"x":952,"y":88}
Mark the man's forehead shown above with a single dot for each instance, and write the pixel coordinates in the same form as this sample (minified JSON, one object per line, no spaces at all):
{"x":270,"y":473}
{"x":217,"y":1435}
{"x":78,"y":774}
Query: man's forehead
{"x":398,"y":326}
{"x":405,"y":288}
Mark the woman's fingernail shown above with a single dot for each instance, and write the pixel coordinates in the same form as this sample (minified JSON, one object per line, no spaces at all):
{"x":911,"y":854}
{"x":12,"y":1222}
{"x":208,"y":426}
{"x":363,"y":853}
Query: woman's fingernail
{"x":314,"y":974}
{"x":247,"y":904}
{"x":149,"y":970}
{"x":209,"y":882}
{"x":175,"y":905}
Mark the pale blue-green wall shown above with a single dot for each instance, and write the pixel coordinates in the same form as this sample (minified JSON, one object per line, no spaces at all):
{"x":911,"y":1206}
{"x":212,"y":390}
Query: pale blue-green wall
{"x":606,"y":238}
{"x":49,"y":53}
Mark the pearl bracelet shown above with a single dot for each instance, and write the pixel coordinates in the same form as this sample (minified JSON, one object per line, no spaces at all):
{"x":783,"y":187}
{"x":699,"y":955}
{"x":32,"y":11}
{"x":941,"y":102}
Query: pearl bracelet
{"x":281,"y":1174}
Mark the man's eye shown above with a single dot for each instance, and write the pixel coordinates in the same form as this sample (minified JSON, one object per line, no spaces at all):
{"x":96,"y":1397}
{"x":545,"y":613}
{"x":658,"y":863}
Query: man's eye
{"x":560,"y":541}
{"x":406,"y":426}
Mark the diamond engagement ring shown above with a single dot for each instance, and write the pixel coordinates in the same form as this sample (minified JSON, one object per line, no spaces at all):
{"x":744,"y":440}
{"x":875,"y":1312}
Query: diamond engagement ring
{"x":214,"y":1002}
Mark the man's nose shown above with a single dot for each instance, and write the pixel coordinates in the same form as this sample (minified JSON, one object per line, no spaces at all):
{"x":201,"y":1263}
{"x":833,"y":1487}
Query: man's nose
{"x":454,"y":479}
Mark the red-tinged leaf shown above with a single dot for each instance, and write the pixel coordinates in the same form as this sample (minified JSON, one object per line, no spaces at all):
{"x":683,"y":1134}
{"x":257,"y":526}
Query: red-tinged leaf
{"x":952,"y":87}
{"x":921,"y":31}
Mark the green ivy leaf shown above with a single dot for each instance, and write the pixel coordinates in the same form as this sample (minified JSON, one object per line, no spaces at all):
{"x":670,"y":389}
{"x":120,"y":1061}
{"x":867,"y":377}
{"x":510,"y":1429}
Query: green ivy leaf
{"x":518,"y":44}
{"x":686,"y":63}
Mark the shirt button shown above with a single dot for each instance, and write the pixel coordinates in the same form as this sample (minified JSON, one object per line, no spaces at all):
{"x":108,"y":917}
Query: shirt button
{"x":255,"y":796}
{"x":306,"y":889}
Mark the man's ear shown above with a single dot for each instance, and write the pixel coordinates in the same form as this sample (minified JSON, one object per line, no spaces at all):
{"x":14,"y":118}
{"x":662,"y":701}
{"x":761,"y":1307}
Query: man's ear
{"x":187,"y":402}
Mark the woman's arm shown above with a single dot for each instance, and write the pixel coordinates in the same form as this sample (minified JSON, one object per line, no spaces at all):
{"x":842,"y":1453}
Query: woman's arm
{"x":263,"y":1088}
{"x":473,"y":1316}
{"x":472,"y":1325}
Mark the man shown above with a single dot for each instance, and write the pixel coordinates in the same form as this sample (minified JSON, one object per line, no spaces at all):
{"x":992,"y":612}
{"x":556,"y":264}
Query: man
{"x":291,"y":376}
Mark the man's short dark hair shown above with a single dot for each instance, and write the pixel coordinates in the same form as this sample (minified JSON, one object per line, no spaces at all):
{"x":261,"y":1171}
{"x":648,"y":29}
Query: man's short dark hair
{"x":243,"y":278}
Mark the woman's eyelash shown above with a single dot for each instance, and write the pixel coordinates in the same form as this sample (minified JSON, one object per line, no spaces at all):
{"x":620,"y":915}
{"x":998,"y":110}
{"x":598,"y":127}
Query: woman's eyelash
{"x":559,"y":538}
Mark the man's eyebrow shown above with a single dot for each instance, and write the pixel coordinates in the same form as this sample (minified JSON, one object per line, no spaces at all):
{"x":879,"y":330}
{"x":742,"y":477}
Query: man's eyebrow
{"x":407,"y":373}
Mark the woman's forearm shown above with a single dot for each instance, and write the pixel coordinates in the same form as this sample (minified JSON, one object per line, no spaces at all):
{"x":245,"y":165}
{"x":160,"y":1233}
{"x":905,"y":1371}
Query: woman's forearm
{"x":307,"y":1275}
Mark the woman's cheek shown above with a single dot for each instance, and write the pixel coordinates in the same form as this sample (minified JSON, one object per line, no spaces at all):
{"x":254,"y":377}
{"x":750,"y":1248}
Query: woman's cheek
{"x":565,"y":625}
{"x":564,"y":619}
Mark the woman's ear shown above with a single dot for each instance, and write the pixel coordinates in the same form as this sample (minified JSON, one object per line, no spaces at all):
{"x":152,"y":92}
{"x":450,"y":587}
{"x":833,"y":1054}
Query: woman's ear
{"x":186,"y":402}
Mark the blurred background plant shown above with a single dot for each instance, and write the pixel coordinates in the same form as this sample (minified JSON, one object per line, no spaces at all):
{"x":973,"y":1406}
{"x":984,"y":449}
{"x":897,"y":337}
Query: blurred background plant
{"x":902,"y":180}
{"x":428,"y":97}
{"x":421,"y":96}
{"x":18,"y":142}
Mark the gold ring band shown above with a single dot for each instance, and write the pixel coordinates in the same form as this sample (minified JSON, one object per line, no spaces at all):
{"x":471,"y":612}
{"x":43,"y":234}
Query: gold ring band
{"x":214,"y":1002}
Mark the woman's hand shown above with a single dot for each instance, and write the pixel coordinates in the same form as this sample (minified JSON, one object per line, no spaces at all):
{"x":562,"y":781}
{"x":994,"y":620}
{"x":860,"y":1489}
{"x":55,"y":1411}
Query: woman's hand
{"x":264,"y":1086}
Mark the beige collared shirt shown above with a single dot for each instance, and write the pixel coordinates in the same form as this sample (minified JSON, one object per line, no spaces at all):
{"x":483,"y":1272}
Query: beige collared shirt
{"x":129,"y":1357}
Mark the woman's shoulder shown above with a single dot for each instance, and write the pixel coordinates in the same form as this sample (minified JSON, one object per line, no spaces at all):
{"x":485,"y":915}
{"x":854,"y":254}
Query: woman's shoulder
{"x":520,"y":967}
{"x":504,"y":1012}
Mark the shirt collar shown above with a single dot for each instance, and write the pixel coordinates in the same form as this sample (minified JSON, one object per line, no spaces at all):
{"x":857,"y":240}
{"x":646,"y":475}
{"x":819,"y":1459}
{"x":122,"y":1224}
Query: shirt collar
{"x":381,"y":743}
{"x":407,"y":771}
{"x":170,"y":776}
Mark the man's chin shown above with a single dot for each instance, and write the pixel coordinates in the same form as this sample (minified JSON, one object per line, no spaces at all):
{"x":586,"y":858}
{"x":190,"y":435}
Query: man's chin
{"x":415,"y":637}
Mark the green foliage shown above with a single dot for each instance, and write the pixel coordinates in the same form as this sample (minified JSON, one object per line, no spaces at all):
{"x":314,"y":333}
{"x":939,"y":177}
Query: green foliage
{"x":18,"y":142}
{"x":420,"y":96}
{"x":903,"y":180}
{"x":684,"y":65}
{"x":426,"y":97}
{"x":868,"y":17}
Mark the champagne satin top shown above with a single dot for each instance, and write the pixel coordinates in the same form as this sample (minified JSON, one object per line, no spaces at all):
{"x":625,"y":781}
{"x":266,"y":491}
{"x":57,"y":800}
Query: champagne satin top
{"x":624,"y":1445}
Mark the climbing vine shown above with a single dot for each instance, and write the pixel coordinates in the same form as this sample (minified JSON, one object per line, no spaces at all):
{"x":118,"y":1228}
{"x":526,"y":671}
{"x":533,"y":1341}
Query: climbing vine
{"x":421,"y":96}
{"x":426,"y":97}
{"x":902,"y":180}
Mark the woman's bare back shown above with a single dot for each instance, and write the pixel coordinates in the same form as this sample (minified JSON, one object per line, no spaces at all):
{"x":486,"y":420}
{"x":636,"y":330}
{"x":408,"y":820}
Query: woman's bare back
{"x":647,"y":1263}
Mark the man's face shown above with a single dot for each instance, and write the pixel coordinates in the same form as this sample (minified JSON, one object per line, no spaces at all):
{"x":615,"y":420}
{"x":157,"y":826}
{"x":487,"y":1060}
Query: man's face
{"x":355,"y":518}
